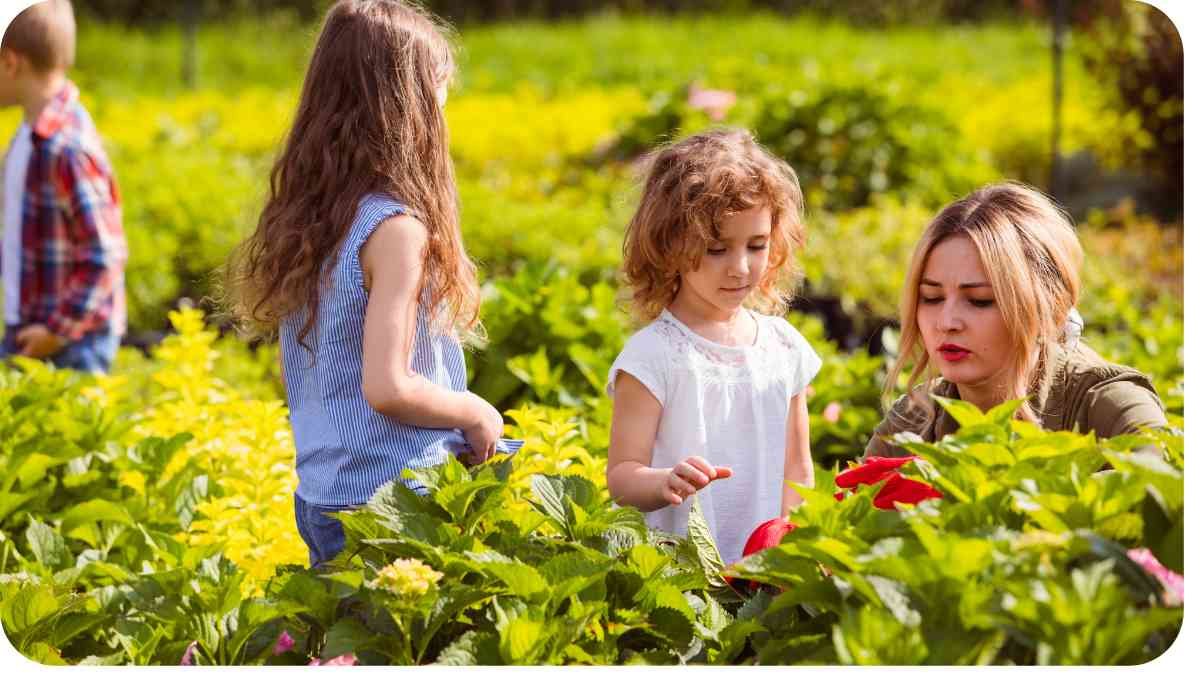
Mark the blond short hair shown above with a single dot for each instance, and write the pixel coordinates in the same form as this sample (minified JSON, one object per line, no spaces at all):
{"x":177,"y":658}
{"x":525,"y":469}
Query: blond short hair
{"x":1032,"y":257}
{"x":689,"y":187}
{"x":45,"y":34}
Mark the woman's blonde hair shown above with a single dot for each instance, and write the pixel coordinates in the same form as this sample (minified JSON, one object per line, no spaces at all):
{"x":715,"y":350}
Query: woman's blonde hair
{"x":369,"y":121}
{"x":1032,"y":259}
{"x":689,"y":187}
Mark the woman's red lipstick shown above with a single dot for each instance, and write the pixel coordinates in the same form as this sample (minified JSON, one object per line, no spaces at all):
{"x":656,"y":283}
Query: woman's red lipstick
{"x":952,"y":352}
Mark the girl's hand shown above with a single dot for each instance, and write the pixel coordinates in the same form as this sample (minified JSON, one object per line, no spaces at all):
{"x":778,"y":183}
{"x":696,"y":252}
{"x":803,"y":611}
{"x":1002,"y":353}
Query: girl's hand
{"x":690,"y":476}
{"x":487,"y":429}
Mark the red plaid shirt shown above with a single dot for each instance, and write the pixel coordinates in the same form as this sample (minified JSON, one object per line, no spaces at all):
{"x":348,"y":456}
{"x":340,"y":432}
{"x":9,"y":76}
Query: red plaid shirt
{"x":73,"y":249}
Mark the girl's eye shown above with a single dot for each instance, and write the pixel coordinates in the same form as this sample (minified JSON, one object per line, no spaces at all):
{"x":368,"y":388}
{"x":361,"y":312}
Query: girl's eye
{"x":716,"y":251}
{"x":930,"y":301}
{"x":983,"y":303}
{"x":759,"y":247}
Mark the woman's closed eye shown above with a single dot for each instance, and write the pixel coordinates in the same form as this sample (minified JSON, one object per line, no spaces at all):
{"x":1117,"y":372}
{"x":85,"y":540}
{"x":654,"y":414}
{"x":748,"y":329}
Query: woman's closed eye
{"x":931,"y":300}
{"x":983,"y":302}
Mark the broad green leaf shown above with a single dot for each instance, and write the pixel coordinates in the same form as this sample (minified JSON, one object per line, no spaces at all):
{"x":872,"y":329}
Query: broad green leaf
{"x":47,"y":544}
{"x":519,"y":640}
{"x":551,"y":501}
{"x":95,"y":510}
{"x":25,"y":608}
{"x":646,"y":560}
{"x":701,"y":537}
{"x":44,"y":653}
{"x":966,"y":414}
{"x":1166,"y":479}
{"x":894,"y":596}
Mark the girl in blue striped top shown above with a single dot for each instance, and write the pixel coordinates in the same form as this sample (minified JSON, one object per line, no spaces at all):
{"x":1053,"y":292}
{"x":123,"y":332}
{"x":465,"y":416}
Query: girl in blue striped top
{"x":358,"y":263}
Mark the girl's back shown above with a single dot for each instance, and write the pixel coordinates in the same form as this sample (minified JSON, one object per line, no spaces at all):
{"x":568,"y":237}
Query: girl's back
{"x":345,"y":448}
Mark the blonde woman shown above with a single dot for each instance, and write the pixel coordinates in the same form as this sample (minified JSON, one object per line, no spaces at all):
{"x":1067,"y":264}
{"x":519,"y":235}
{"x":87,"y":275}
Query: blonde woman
{"x":988,"y":304}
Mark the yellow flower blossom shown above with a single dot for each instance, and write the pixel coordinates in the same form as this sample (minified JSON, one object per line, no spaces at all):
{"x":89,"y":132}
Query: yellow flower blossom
{"x":405,"y":577}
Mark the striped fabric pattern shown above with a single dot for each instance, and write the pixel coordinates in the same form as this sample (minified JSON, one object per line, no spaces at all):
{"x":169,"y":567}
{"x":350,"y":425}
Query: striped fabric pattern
{"x":73,"y":249}
{"x":345,"y":449}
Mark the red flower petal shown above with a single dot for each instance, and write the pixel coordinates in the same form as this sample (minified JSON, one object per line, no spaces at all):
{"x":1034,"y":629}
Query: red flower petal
{"x":904,"y":490}
{"x":871,"y":471}
{"x":766,"y":535}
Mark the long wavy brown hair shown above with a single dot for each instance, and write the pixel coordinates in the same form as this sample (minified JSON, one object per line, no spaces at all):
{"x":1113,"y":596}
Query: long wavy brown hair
{"x":690,"y":187}
{"x":368,"y":121}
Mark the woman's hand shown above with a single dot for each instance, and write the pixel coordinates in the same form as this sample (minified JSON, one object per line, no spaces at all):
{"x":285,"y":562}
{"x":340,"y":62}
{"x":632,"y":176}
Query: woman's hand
{"x":689,"y":477}
{"x":485,"y":432}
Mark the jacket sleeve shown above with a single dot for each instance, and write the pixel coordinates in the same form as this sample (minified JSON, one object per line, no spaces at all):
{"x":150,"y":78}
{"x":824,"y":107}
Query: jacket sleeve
{"x":96,"y":250}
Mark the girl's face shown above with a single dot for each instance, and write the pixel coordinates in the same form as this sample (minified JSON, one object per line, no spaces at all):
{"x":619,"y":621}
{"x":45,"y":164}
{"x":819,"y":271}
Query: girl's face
{"x":731,"y":269}
{"x":960,"y":323}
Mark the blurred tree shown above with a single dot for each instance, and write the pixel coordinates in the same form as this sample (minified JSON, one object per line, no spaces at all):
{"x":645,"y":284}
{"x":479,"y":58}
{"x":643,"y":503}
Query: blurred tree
{"x":1135,"y":51}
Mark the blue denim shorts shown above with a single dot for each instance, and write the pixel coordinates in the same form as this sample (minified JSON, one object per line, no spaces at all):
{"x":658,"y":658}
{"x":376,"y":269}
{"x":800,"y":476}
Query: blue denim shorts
{"x":93,"y":352}
{"x":323,"y":535}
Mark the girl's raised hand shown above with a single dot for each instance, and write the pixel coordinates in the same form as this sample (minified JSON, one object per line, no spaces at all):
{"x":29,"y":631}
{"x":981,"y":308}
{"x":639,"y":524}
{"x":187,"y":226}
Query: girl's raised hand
{"x":689,"y":476}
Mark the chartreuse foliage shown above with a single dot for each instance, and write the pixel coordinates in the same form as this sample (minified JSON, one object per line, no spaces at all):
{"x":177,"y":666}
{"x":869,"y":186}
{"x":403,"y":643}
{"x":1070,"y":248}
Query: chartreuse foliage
{"x":1022,"y":562}
{"x":146,"y":519}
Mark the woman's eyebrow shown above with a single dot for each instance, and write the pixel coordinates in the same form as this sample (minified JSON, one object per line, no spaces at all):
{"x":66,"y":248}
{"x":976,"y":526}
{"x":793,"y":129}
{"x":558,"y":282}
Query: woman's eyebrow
{"x":973,"y":284}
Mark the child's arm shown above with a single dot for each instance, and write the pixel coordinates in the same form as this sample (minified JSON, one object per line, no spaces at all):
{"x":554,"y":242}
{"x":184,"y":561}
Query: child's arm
{"x":797,"y":463}
{"x":631,"y":480}
{"x":393,"y":265}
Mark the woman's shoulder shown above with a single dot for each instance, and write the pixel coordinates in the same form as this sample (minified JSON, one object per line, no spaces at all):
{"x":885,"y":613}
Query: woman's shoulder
{"x":1096,"y":394}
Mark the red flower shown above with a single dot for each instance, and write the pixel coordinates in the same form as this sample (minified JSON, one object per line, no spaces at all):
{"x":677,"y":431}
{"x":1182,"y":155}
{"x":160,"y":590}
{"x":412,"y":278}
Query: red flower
{"x":766,"y":535}
{"x":898,"y":487}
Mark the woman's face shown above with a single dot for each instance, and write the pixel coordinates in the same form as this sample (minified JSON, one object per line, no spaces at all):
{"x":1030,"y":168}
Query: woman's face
{"x":959,"y":320}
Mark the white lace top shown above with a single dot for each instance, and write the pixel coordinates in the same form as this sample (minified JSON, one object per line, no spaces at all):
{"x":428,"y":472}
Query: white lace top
{"x":728,"y":405}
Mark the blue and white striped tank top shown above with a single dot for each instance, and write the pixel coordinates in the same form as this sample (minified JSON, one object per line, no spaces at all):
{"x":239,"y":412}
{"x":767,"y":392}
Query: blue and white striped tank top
{"x":345,"y":449}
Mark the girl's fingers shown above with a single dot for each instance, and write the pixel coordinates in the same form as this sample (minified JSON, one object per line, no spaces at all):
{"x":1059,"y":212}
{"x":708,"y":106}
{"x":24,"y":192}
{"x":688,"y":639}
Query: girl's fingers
{"x":702,"y":466}
{"x":723,"y":472}
{"x":680,"y":486}
{"x":692,"y":474}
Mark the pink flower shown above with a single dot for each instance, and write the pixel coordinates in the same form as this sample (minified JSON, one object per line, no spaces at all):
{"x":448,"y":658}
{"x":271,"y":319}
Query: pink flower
{"x":714,"y":102}
{"x":343,"y":660}
{"x":832,"y":412}
{"x":1171,"y":580}
{"x":188,"y":655}
{"x":283,"y":644}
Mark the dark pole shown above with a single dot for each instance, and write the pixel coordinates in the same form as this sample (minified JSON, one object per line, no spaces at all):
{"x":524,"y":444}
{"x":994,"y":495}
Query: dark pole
{"x":1056,"y":51}
{"x":191,"y":17}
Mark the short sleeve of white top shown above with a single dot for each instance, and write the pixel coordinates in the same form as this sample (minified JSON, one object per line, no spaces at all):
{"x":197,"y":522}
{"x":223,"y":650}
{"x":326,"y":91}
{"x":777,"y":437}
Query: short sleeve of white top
{"x":728,"y":405}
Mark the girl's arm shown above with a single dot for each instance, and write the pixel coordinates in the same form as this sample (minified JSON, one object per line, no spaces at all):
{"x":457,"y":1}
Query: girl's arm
{"x":393,"y":265}
{"x":631,"y":479}
{"x":797,"y":463}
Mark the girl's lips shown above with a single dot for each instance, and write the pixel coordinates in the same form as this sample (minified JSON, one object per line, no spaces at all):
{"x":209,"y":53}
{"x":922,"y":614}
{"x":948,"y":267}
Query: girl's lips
{"x":736,"y":290}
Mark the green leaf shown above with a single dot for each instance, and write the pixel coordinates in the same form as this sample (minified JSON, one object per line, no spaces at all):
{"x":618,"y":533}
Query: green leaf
{"x":346,"y":636}
{"x":1003,"y":412}
{"x":41,"y":652}
{"x":189,"y":498}
{"x":966,"y":414}
{"x":95,"y":511}
{"x":551,"y":501}
{"x":47,"y":544}
{"x":462,"y":652}
{"x":25,"y":608}
{"x":701,"y":537}
{"x":646,"y":561}
{"x":894,"y":596}
{"x":519,"y":640}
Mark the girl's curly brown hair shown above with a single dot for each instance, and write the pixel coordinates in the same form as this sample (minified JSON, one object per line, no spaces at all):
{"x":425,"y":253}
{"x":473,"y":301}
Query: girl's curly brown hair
{"x":690,"y":187}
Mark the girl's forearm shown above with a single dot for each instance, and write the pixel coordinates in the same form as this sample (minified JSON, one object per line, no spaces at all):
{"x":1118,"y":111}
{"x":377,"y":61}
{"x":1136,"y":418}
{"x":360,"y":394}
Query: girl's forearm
{"x":419,"y":402}
{"x":796,"y":470}
{"x":634,"y":484}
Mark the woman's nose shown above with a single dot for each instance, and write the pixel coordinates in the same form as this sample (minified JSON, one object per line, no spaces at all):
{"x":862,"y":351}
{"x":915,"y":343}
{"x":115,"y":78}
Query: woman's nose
{"x":950,"y":319}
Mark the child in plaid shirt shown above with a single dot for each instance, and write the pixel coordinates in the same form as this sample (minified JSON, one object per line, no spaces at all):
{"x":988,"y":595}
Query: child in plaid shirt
{"x":62,"y":257}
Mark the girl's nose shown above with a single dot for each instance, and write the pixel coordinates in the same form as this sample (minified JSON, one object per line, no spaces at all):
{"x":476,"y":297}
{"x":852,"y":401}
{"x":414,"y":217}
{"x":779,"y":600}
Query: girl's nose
{"x":740,"y":266}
